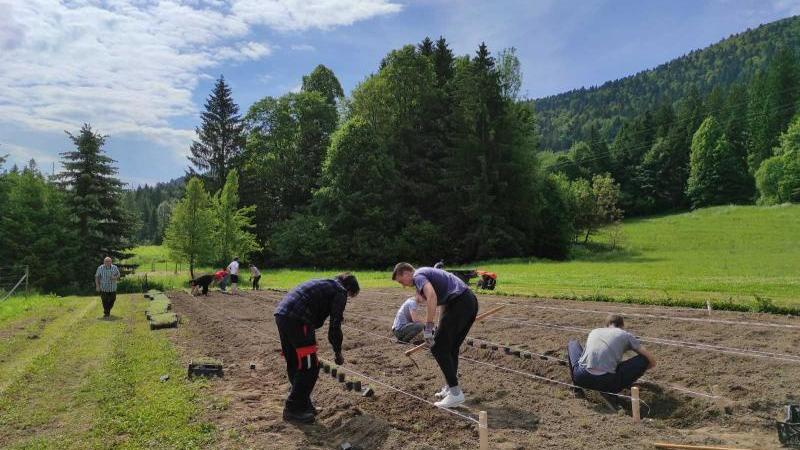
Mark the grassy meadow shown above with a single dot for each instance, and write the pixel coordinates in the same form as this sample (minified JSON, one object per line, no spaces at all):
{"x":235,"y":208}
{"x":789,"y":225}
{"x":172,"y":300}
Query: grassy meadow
{"x":69,"y":380}
{"x":726,"y":254}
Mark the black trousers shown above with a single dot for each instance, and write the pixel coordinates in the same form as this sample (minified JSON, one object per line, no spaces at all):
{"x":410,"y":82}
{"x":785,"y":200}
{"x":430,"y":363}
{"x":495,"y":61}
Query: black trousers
{"x":255,"y":282}
{"x":108,"y":299}
{"x":454,"y":325}
{"x":299,"y":347}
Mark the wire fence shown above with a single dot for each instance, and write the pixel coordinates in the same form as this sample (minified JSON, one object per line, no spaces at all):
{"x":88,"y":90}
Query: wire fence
{"x":14,"y":279}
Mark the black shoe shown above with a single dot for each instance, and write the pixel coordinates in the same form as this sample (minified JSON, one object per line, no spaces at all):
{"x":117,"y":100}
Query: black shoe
{"x":314,"y":411}
{"x":303,"y":417}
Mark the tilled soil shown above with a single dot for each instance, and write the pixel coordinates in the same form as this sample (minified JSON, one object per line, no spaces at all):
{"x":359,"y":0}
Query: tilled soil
{"x":721,"y":379}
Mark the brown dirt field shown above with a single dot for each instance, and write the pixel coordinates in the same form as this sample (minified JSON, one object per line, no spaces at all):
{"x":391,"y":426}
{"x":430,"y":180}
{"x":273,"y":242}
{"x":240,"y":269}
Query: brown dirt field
{"x":524,"y":410}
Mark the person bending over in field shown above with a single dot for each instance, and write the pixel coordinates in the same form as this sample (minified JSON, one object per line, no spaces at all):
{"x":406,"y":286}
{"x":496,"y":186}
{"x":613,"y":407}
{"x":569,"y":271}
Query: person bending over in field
{"x":600,"y":366}
{"x":221,"y":278}
{"x":301,"y":311}
{"x":203,"y":282}
{"x":407,"y":322}
{"x":459,"y":307}
{"x":255,"y":276}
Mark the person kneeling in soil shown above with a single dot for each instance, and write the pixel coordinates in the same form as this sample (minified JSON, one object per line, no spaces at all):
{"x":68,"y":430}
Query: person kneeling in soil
{"x":459,"y":307}
{"x":221,"y":278}
{"x":201,"y":282}
{"x":407,"y":324}
{"x":301,"y":311}
{"x":600,"y":366}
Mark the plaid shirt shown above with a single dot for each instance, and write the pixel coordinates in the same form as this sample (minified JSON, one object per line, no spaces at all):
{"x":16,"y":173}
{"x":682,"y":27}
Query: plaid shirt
{"x":106,"y":276}
{"x":314,"y":301}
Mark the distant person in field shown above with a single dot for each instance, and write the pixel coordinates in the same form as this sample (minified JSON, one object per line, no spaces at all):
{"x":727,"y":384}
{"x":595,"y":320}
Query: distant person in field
{"x":233,"y":270}
{"x":105,"y":282}
{"x":221,"y":278}
{"x":407,"y":322}
{"x":203,"y":282}
{"x":600,"y":366}
{"x":255,"y":275}
{"x":304,"y":309}
{"x":459,"y":307}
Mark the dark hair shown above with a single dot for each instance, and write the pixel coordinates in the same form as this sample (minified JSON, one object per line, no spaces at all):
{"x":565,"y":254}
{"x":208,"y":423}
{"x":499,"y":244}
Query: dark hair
{"x":349,"y":282}
{"x":616,"y":320}
{"x":236,"y":258}
{"x":401,"y":268}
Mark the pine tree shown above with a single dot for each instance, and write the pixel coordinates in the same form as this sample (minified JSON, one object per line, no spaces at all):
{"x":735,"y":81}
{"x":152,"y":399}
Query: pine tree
{"x":94,"y":196}
{"x":220,"y":138}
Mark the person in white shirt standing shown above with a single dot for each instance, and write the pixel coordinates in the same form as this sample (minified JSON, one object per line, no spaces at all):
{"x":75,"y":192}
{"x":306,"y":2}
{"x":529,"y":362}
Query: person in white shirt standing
{"x":233,"y":270}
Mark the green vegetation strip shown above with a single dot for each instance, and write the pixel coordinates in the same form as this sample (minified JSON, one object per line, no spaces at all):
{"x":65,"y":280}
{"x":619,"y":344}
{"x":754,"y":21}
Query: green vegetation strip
{"x":97,"y":385}
{"x":741,"y":258}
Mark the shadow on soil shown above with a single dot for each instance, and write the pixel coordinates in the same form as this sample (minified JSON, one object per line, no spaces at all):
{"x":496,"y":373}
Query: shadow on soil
{"x":361,"y":432}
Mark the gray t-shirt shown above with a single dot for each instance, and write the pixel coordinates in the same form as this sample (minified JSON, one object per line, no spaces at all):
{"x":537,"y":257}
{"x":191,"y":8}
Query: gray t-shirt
{"x":445,"y":284}
{"x":605,"y":347}
{"x":403,"y":316}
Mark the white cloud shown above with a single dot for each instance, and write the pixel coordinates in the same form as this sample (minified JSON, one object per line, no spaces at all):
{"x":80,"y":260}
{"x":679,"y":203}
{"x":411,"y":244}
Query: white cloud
{"x":130,"y":66}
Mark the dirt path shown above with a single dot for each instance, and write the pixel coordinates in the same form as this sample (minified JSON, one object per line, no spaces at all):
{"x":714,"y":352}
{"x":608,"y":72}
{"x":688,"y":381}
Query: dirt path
{"x":750,"y":366}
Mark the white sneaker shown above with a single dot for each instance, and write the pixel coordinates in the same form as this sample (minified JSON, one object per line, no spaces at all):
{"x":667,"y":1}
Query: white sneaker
{"x":451,"y":401}
{"x":443,"y":393}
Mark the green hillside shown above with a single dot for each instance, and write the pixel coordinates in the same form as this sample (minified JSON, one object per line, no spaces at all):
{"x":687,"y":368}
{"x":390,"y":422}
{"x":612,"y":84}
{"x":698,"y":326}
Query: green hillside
{"x":565,"y":118}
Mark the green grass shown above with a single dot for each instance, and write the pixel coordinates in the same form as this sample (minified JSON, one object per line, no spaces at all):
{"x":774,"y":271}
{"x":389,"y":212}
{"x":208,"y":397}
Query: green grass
{"x":87,"y":383}
{"x":730,"y":255}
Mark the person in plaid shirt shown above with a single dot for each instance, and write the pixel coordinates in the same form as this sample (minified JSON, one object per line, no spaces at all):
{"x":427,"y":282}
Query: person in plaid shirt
{"x":105,"y":282}
{"x":304,"y":309}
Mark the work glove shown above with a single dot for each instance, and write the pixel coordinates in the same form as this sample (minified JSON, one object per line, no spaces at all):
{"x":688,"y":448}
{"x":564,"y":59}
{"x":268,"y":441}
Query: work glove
{"x":428,"y":332}
{"x":338,"y":359}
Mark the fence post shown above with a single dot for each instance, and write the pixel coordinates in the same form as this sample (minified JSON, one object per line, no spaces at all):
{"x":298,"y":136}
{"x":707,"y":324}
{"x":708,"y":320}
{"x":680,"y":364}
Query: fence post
{"x":27,"y":277}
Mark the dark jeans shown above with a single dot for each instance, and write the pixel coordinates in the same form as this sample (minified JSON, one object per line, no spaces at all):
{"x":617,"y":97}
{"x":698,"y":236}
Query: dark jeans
{"x":458,"y":317}
{"x":408,"y":331}
{"x":299,"y":347}
{"x":628,"y":372}
{"x":108,"y":299}
{"x":255,"y":282}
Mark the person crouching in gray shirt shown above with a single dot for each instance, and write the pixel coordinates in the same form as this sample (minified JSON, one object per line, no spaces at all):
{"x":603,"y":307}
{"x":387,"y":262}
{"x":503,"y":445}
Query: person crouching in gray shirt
{"x":407,"y":324}
{"x":600,"y":366}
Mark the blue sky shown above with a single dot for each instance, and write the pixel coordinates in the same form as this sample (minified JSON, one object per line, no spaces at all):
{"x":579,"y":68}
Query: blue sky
{"x":140,"y":70}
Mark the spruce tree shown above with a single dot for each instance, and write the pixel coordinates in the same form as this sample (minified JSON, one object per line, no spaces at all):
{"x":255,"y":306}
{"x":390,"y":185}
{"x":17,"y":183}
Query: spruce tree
{"x":94,"y":196}
{"x":220,"y":138}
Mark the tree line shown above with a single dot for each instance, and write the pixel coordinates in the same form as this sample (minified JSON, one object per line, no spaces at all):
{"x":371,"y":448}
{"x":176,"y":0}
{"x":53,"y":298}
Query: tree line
{"x":433,"y":156}
{"x":704,"y":150}
{"x":569,"y":117}
{"x":62,"y":226}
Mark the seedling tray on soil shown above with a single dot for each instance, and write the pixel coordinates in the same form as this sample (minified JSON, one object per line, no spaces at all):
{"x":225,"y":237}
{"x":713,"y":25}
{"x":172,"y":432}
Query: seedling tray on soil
{"x":165,"y":320}
{"x":158,"y":307}
{"x":207,"y":367}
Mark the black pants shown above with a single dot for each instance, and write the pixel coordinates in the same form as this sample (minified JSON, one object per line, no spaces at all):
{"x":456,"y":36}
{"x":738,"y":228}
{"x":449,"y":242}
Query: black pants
{"x":454,"y":325}
{"x":108,"y":299}
{"x":255,"y":282}
{"x":626,"y":374}
{"x":299,"y":347}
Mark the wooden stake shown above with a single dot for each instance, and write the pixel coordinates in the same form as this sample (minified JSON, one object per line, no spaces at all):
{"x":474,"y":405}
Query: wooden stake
{"x":691,"y":447}
{"x":708,"y":306}
{"x":635,"y":404}
{"x":483,"y":430}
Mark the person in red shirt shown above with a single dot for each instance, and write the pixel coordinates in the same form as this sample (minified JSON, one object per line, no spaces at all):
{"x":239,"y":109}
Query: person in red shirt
{"x":221,"y":277}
